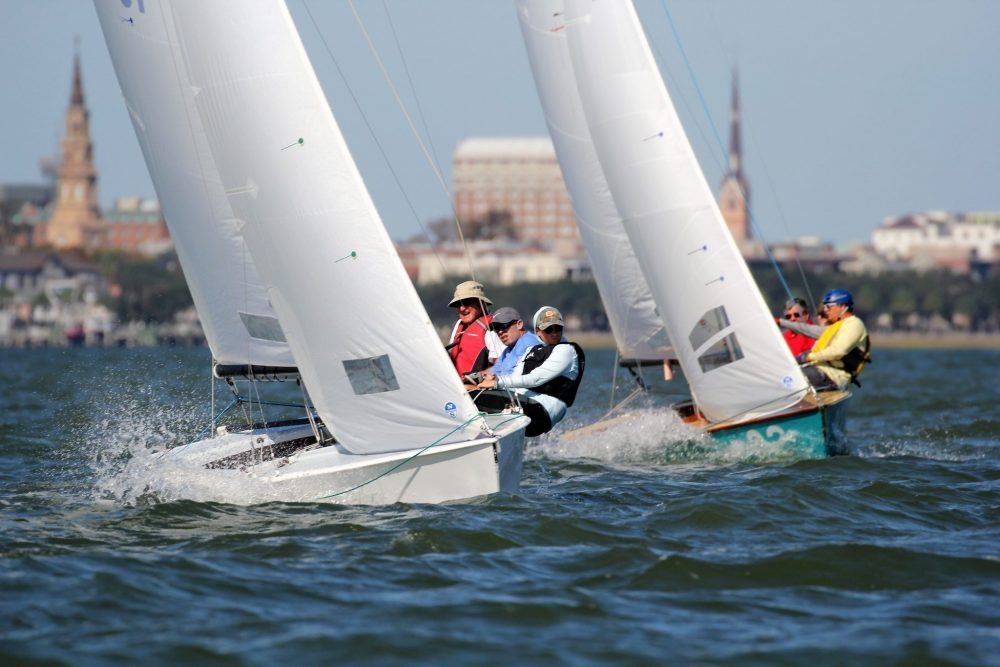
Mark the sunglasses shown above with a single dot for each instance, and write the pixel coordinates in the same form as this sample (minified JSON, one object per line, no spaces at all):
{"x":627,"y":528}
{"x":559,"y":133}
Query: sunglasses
{"x":500,"y":327}
{"x":467,"y":303}
{"x":828,"y":306}
{"x":555,"y":328}
{"x":792,"y":316}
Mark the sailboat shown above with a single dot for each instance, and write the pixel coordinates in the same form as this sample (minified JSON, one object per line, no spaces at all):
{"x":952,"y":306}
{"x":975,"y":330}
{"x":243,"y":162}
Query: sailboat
{"x":645,"y":210}
{"x":291,"y":270}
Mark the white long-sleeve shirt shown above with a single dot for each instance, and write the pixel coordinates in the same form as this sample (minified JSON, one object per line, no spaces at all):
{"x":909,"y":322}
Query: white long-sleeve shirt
{"x":562,"y":361}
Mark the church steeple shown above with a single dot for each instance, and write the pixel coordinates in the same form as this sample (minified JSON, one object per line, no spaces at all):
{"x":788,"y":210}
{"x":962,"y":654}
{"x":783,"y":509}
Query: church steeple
{"x":76,"y":222}
{"x":734,"y":193}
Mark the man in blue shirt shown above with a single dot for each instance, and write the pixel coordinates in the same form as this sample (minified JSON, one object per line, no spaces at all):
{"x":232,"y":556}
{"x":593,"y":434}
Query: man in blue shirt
{"x":507,"y":323}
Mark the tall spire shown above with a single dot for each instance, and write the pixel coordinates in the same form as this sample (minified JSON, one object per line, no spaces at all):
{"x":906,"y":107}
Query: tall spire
{"x":76,"y":221}
{"x":734,"y":194}
{"x":735,"y":147}
{"x":76,"y":96}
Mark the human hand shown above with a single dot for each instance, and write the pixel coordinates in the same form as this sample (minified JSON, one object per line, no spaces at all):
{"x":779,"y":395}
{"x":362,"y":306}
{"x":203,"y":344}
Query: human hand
{"x":489,"y":382}
{"x":803,"y":357}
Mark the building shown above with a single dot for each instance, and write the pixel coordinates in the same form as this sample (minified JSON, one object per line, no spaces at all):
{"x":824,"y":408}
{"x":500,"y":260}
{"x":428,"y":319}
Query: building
{"x":75,"y":221}
{"x":936,"y":239}
{"x":136,"y":225}
{"x":734,"y":193}
{"x":496,"y":262}
{"x":519,"y":175}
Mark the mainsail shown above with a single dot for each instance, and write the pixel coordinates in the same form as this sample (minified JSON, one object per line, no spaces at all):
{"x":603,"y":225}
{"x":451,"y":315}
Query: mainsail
{"x":239,"y":323}
{"x":733,"y":356}
{"x":371,"y":361}
{"x":637,"y":327}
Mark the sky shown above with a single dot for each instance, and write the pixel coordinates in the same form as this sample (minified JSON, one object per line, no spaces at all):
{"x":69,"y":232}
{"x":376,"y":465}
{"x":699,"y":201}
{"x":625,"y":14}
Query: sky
{"x":853,"y":110}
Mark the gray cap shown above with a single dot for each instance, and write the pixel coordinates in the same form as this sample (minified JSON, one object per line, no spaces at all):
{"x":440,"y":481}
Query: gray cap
{"x":506,"y":314}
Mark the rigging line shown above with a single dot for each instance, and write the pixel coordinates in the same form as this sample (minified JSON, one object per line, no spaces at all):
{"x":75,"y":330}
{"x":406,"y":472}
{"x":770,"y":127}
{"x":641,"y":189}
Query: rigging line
{"x":722,"y":147}
{"x":416,"y":134}
{"x":371,"y":131}
{"x":364,"y":118}
{"x":767,"y":174}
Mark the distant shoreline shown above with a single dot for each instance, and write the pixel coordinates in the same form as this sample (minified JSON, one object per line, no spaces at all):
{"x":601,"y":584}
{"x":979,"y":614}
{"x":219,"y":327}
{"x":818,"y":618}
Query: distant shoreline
{"x":895,"y":340}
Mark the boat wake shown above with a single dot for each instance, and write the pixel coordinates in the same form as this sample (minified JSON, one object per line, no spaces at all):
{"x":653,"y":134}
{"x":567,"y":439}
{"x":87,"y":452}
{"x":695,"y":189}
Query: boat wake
{"x":129,"y":456}
{"x":659,"y":436}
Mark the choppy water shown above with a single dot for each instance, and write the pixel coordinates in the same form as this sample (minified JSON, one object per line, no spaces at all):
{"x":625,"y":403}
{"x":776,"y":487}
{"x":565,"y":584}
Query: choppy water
{"x":632,"y":547}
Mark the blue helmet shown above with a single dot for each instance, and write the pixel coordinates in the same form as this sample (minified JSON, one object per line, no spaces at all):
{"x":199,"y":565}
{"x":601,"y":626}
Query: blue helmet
{"x":839,"y":297}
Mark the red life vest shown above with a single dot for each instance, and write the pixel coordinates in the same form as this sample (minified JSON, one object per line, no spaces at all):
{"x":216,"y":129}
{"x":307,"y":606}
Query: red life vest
{"x":471,"y":354}
{"x":797,"y":343}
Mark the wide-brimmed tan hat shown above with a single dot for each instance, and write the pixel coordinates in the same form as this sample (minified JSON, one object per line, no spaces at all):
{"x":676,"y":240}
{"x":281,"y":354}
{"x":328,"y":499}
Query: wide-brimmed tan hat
{"x":470,"y":289}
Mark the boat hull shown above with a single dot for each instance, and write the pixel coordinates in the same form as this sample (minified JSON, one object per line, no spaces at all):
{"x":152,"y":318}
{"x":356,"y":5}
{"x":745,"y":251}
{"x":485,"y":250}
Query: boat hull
{"x":814,"y":429}
{"x":442,"y":473}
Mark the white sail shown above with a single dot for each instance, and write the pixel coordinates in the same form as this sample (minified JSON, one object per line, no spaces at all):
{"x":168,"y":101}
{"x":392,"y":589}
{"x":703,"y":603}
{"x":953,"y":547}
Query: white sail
{"x":372,"y":363}
{"x":637,"y":327}
{"x":733,"y":356}
{"x":239,"y":323}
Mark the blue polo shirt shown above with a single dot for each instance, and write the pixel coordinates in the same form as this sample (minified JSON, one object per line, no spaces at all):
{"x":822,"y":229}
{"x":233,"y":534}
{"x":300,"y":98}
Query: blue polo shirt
{"x":507,"y":361}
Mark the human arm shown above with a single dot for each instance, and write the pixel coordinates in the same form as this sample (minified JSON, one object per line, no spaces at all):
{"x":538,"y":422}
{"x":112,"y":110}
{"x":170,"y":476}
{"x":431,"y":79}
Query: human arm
{"x":810,"y":330}
{"x":562,"y":361}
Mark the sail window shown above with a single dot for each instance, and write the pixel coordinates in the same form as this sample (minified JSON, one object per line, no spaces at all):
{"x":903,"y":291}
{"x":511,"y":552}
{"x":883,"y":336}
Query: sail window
{"x":373,"y":375}
{"x":263,"y":327}
{"x":710,"y":324}
{"x":723,"y":351}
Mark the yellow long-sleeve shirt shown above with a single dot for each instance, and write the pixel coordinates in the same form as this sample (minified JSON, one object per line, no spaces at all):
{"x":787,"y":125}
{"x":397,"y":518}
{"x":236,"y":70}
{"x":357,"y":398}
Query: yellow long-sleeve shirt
{"x":851,"y":334}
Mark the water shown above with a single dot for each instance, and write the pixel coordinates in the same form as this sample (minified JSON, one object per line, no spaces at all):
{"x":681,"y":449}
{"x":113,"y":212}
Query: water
{"x":631,"y":547}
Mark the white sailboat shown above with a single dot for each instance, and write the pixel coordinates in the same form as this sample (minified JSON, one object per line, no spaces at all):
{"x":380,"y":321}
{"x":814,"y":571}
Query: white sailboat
{"x":628,"y":164}
{"x":265,"y":202}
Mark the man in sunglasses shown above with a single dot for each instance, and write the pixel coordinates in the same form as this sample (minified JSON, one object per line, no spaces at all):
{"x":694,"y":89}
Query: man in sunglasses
{"x":509,"y":326}
{"x":795,"y":334}
{"x":548,"y":375}
{"x":843,"y":349}
{"x":472,"y":347}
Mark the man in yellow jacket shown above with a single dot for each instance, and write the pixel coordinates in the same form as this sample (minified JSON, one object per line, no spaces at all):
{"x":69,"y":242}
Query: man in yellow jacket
{"x":842,"y":350}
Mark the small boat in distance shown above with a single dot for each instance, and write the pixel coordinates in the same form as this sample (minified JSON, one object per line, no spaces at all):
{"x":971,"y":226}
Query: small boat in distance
{"x":291,"y":268}
{"x":661,"y":251}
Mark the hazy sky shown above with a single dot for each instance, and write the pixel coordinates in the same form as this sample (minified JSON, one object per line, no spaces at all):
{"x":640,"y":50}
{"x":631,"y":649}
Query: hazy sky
{"x":853,"y":110}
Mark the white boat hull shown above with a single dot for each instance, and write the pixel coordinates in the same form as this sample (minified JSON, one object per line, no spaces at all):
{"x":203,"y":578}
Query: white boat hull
{"x":436,"y":474}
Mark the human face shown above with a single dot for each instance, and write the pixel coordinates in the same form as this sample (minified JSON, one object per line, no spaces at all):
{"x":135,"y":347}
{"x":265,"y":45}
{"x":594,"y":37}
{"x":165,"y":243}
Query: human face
{"x":833,"y":311}
{"x":469,"y":310}
{"x":509,"y":332}
{"x":551,"y":335}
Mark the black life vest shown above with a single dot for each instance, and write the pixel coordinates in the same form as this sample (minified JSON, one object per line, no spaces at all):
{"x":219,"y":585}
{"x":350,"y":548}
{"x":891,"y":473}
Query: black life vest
{"x":854,"y":361}
{"x":560,"y":387}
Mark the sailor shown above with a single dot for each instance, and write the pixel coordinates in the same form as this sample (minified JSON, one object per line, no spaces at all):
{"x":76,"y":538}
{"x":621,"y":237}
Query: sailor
{"x":795,"y":322}
{"x":472,"y":346}
{"x":842,"y":350}
{"x":509,"y":326}
{"x":548,"y":375}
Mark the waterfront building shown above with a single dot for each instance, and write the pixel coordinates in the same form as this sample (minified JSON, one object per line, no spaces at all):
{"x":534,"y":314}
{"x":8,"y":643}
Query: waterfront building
{"x":936,"y":239}
{"x":519,"y":175}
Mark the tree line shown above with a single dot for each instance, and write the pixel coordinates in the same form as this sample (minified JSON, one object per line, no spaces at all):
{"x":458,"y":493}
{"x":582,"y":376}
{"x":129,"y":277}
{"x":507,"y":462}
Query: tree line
{"x":154,"y":290}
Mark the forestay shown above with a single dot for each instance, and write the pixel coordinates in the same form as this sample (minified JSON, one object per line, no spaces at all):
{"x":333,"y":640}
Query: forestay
{"x":372,"y":363}
{"x":727,"y":343}
{"x":638,"y":329}
{"x":239,"y":323}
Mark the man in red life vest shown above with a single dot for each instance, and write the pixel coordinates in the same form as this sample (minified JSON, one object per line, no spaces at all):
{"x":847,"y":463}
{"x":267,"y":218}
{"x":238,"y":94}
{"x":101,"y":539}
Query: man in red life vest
{"x":473,"y":347}
{"x":797,"y":312}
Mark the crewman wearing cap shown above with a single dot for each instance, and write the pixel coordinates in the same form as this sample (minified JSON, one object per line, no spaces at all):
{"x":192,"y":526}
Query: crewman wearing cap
{"x":549,"y":374}
{"x":843,"y":349}
{"x":509,"y":326}
{"x":472,"y":346}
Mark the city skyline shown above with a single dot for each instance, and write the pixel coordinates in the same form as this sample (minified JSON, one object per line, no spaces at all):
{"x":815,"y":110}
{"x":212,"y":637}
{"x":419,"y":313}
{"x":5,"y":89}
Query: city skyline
{"x":835,"y":139}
